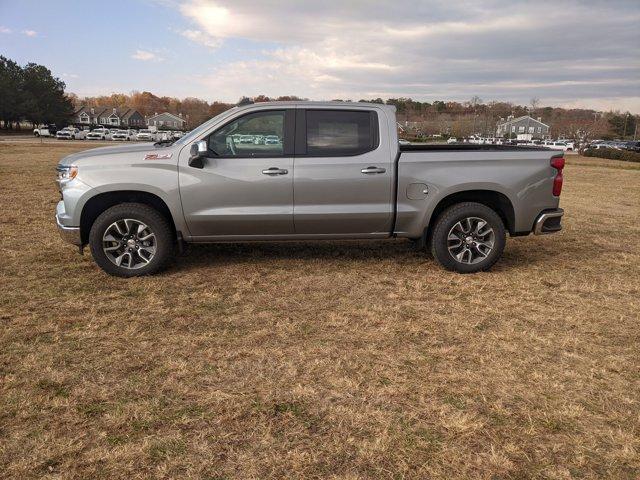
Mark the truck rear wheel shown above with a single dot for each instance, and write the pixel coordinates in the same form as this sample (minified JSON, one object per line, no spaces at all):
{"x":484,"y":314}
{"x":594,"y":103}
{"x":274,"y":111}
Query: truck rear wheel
{"x":131,"y":240}
{"x":468,"y":237}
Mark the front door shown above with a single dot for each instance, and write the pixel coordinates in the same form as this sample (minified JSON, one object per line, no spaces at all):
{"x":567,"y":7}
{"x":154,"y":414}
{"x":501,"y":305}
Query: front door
{"x":246,"y":187}
{"x":343,"y":182}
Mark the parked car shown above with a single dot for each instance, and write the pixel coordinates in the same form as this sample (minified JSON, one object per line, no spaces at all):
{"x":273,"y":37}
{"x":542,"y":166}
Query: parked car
{"x":560,"y":146}
{"x":123,"y":135}
{"x":569,"y":143}
{"x":146,"y":136}
{"x":163,"y":135}
{"x":452,"y":140}
{"x":177,"y":134}
{"x":619,"y":145}
{"x":45,"y":130}
{"x":99,"y":134}
{"x":633,"y":146}
{"x":607,"y":144}
{"x":71,"y":133}
{"x":133,"y":204}
{"x":403,"y":141}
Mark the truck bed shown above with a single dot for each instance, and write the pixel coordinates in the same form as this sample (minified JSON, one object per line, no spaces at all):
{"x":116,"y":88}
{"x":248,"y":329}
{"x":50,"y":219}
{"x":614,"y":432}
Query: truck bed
{"x":454,"y":147}
{"x":521,"y":178}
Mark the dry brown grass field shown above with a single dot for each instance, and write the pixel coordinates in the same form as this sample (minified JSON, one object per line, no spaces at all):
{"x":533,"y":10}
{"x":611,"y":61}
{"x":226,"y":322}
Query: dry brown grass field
{"x":346,"y":360}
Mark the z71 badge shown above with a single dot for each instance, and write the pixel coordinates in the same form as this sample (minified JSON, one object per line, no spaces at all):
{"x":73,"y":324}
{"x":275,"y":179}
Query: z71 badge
{"x":158,"y":156}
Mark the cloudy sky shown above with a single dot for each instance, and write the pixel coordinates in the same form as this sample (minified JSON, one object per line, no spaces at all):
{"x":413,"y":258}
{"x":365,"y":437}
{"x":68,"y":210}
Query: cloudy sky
{"x":569,"y":53}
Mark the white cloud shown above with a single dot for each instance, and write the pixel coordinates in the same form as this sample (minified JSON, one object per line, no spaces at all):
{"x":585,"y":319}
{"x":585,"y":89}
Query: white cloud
{"x":70,"y":75}
{"x":623,"y":104}
{"x":30,"y":33}
{"x":199,"y":36}
{"x":146,"y":56}
{"x":443,"y":50}
{"x":4,"y":29}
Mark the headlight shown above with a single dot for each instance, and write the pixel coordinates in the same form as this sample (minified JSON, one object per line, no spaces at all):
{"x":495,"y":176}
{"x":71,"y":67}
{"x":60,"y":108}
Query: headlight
{"x":66,"y":172}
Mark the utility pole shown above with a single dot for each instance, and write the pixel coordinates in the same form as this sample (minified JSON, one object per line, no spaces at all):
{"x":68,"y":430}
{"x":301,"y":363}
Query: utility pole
{"x":624,"y":133}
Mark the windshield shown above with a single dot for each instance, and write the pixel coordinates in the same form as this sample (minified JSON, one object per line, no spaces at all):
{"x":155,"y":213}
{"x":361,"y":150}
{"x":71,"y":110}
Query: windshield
{"x":195,"y":133}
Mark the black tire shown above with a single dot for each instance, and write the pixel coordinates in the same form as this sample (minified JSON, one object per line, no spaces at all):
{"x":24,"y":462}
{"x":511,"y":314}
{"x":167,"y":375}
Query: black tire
{"x":158,"y":225}
{"x":36,"y":134}
{"x":448,"y":219}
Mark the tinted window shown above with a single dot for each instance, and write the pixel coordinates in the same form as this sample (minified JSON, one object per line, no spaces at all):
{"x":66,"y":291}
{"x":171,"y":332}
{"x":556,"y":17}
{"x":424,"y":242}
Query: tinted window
{"x":336,"y":132}
{"x":258,"y":134}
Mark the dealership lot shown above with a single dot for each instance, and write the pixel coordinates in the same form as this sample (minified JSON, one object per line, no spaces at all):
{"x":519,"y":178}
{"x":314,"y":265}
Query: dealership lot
{"x":307,"y":360}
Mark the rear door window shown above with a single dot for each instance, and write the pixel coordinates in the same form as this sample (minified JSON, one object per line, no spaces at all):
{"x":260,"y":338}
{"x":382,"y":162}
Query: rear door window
{"x":331,"y":133}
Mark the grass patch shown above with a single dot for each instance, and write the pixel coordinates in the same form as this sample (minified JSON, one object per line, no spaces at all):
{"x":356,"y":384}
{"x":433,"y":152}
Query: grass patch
{"x":322,"y":360}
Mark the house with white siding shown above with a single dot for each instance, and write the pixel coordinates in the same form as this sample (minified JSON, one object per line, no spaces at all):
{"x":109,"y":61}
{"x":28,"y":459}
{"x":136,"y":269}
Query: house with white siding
{"x":167,"y":120}
{"x":109,"y":117}
{"x":523,"y":128}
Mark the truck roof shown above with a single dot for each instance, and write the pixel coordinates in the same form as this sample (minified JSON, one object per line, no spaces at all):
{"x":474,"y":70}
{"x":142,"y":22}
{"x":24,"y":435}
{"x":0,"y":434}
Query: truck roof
{"x":310,"y":103}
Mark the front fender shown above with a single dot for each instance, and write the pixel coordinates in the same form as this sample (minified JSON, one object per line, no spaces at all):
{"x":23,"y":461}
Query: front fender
{"x":132,"y":173}
{"x":170,"y":198}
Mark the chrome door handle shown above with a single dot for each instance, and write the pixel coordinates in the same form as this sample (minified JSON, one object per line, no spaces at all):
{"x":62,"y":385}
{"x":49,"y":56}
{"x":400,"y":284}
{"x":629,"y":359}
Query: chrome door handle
{"x":369,"y":170}
{"x":275,"y":171}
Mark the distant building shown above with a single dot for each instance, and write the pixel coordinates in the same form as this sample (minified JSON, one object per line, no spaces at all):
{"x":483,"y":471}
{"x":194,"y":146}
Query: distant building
{"x":88,"y":115}
{"x":110,"y":117}
{"x":525,"y":127}
{"x":132,"y":118}
{"x":167,"y":120}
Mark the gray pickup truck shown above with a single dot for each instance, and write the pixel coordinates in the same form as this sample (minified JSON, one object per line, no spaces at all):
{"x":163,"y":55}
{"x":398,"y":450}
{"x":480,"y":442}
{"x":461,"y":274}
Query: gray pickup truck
{"x":304,"y":171}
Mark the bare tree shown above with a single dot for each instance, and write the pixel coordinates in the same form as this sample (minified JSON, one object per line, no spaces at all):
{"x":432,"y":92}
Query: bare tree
{"x":535,"y":103}
{"x":475,"y":101}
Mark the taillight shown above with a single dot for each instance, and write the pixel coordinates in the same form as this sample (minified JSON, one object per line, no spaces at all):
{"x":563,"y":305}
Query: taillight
{"x":558,"y":164}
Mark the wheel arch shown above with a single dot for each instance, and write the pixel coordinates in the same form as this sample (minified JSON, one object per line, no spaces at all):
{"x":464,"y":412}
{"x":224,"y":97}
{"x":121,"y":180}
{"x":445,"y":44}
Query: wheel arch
{"x":493,"y":199}
{"x":101,"y":202}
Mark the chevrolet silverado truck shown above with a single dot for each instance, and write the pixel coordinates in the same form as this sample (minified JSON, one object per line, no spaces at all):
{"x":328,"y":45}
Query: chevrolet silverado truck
{"x":332,"y":170}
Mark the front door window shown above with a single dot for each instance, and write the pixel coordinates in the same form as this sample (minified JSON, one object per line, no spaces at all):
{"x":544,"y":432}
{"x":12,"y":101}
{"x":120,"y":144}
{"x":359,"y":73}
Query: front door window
{"x":258,"y":134}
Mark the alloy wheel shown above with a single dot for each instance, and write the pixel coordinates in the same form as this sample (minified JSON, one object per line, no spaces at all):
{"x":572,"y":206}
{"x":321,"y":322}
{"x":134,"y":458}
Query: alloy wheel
{"x":129,"y":243}
{"x":470,"y":240}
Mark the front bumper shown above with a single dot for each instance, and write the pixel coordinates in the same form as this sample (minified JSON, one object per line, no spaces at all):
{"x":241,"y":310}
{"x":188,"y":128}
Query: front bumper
{"x":69,"y":234}
{"x":548,"y":222}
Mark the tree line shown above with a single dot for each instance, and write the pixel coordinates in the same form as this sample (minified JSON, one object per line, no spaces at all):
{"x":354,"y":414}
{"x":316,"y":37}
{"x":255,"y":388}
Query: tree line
{"x":31,"y":93}
{"x":194,"y":110}
{"x":419,"y":118}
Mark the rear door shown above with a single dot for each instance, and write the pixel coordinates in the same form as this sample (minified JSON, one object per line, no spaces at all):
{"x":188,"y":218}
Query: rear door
{"x":343,"y":173}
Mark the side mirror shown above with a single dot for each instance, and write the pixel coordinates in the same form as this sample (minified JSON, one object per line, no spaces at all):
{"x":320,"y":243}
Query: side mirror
{"x":194,"y":150}
{"x":198,"y":151}
{"x":196,"y":162}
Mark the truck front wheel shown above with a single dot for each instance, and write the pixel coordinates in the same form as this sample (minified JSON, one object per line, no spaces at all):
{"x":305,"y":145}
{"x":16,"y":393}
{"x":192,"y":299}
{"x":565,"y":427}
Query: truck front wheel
{"x":130,"y":240}
{"x":468,"y":237}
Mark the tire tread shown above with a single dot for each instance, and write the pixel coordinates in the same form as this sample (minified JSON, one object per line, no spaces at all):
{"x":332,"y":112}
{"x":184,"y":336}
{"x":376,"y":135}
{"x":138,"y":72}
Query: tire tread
{"x":441,"y":228}
{"x":162,"y":229}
